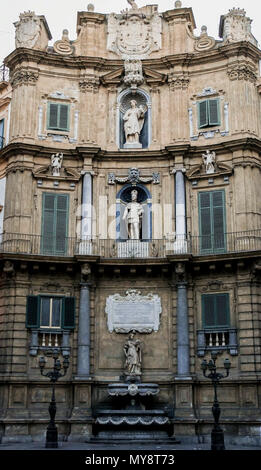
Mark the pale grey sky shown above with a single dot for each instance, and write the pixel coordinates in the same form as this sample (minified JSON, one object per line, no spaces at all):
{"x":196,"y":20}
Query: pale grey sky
{"x":62,"y":14}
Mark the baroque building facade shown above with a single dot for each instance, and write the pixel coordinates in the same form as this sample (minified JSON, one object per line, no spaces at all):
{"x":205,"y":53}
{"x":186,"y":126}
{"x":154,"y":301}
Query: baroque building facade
{"x":131,"y":238}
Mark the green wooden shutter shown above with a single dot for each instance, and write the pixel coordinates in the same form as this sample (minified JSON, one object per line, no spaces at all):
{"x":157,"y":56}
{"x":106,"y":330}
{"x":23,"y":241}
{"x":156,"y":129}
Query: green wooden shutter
{"x":222,"y":310}
{"x":61,"y":223}
{"x":55,"y":223}
{"x":32,"y":312}
{"x":53,"y":116}
{"x":213,"y":112}
{"x":218,"y":209}
{"x":64,"y":117}
{"x":208,"y":310}
{"x":205,"y":221}
{"x":202,"y":113}
{"x":68,"y":313}
{"x":48,"y":223}
{"x":215,"y":310}
{"x":212,"y":221}
{"x":2,"y":126}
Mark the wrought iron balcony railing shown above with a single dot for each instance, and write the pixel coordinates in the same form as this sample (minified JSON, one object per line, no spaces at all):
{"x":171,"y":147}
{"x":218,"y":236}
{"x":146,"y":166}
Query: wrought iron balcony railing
{"x":4,"y":73}
{"x":2,"y":142}
{"x":237,"y":242}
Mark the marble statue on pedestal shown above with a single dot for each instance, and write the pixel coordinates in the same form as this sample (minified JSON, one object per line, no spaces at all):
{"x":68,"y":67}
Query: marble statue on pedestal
{"x":132,"y":351}
{"x":209,"y":160}
{"x":56,"y":163}
{"x":133,"y":216}
{"x":133,"y":123}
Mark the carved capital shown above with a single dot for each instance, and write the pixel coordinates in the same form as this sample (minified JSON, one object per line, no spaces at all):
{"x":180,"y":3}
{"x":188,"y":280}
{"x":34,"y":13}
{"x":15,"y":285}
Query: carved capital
{"x":89,"y":84}
{"x":179,"y":82}
{"x":242,"y":72}
{"x":24,"y":77}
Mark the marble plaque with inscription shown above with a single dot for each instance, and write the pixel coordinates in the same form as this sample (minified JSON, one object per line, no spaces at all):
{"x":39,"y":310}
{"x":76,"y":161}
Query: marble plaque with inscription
{"x":133,"y":312}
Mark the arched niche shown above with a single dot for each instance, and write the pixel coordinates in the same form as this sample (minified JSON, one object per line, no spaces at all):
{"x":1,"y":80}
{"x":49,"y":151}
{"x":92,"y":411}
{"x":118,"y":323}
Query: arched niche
{"x":123,"y":104}
{"x":144,"y":198}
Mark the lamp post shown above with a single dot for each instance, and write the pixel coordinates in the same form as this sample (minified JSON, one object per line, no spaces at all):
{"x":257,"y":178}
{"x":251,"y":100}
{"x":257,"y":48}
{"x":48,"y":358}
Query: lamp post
{"x":53,"y":375}
{"x":217,"y":435}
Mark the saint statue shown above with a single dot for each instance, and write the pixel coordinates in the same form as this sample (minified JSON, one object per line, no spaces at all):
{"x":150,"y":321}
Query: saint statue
{"x":132,"y":351}
{"x":209,"y":160}
{"x":56,"y":162}
{"x":133,"y":216}
{"x":133,"y":122}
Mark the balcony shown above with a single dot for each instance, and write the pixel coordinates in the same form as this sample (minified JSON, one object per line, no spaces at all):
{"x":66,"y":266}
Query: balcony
{"x":228,"y":243}
{"x":217,"y":339}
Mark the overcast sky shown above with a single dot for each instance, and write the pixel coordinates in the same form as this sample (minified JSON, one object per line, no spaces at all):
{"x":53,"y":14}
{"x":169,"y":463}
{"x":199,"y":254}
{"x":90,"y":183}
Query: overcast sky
{"x":61,"y":14}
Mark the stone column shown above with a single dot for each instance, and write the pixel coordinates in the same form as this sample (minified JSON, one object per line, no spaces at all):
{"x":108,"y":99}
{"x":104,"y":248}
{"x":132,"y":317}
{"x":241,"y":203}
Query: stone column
{"x":86,"y":213}
{"x":180,"y":245}
{"x":83,"y":365}
{"x":182,"y":331}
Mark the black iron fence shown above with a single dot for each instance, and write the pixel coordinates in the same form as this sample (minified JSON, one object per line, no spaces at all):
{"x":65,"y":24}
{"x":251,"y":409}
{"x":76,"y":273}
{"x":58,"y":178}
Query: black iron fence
{"x":235,"y":242}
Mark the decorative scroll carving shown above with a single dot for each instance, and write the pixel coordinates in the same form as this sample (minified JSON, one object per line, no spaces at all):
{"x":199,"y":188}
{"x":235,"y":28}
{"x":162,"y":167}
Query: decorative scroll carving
{"x":64,"y":46}
{"x":204,"y":42}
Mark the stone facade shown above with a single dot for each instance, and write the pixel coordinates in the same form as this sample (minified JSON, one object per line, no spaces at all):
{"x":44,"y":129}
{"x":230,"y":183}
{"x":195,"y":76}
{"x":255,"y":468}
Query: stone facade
{"x":69,"y":176}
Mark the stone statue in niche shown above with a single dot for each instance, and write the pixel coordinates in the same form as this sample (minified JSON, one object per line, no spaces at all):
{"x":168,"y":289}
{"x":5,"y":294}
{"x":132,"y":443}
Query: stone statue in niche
{"x":27,"y":30}
{"x":209,"y":160}
{"x":133,"y":216}
{"x":133,"y":124}
{"x":56,"y":163}
{"x":132,"y":351}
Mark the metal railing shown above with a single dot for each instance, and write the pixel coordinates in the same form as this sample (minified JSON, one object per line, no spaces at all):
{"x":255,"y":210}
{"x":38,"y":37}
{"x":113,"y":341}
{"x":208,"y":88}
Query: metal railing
{"x":248,"y":241}
{"x":2,"y":142}
{"x":4,"y":73}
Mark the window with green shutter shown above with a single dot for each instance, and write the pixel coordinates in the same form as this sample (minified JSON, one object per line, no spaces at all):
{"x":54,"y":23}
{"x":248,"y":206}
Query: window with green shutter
{"x":50,"y":312}
{"x":54,"y":223}
{"x":2,"y":127}
{"x":209,"y":113}
{"x":58,"y":116}
{"x":212,"y":221}
{"x":215,"y":311}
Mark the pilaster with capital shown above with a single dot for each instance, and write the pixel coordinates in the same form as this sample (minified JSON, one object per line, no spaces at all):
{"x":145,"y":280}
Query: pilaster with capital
{"x":89,"y":87}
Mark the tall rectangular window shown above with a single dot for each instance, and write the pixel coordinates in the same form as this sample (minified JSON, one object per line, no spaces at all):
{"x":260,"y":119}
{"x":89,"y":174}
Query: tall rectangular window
{"x":55,"y":214}
{"x":215,"y":310}
{"x":58,"y":116}
{"x":209,"y":113}
{"x":2,"y":128}
{"x":44,"y":311}
{"x":212,"y":221}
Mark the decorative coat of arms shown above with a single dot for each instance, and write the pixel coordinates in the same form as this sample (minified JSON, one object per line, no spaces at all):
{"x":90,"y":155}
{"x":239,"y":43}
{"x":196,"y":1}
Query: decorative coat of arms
{"x":134,"y":34}
{"x":27,"y":30}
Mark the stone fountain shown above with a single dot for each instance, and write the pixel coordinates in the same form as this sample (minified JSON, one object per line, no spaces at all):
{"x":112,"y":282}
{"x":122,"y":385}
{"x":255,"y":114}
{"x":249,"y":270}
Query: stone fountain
{"x":132,"y":411}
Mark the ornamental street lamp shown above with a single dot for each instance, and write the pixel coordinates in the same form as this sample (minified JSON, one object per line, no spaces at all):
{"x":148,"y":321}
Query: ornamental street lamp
{"x":54,"y":375}
{"x":217,"y":435}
